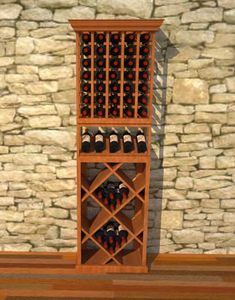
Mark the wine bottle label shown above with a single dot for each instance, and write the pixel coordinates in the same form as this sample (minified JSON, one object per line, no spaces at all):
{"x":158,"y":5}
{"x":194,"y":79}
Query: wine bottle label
{"x":110,"y":229}
{"x":86,"y":138}
{"x":120,"y":227}
{"x":113,"y":138}
{"x":140,"y":138}
{"x":122,"y":185}
{"x":127,"y":138}
{"x":99,"y":138}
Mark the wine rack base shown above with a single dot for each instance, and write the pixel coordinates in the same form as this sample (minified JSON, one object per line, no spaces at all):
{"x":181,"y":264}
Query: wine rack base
{"x":110,"y":269}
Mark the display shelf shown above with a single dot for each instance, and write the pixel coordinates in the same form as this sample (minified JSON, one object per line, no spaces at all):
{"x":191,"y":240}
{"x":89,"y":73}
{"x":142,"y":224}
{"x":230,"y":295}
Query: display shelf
{"x":100,"y":45}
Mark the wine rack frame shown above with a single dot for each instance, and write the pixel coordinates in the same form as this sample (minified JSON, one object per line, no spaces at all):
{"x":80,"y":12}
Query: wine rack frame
{"x":99,"y":259}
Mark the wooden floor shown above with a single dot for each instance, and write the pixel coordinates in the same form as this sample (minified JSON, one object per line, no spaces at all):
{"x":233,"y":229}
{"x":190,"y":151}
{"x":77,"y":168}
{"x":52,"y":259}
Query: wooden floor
{"x":171,"y":276}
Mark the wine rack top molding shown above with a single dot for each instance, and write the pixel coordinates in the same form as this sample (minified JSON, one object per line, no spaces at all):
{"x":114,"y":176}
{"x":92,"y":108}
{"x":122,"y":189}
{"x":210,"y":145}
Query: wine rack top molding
{"x":116,"y":25}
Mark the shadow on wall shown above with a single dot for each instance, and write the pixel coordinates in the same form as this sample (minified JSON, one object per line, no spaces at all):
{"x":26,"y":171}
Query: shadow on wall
{"x":164,"y":51}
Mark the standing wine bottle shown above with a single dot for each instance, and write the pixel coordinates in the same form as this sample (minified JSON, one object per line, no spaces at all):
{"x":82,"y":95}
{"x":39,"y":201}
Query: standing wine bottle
{"x":86,"y":38}
{"x":144,"y":50}
{"x":110,"y":232}
{"x":123,"y":190}
{"x":118,"y":242}
{"x":130,"y":50}
{"x":114,"y":99}
{"x":86,"y":87}
{"x":100,"y":99}
{"x":99,"y":141}
{"x":86,"y":50}
{"x":123,"y":234}
{"x":143,"y":99}
{"x":130,"y":38}
{"x":129,"y":63}
{"x":115,"y":50}
{"x":100,"y":38}
{"x":143,"y":75}
{"x":114,"y":111}
{"x":129,"y":111}
{"x":115,"y":87}
{"x":100,"y":62}
{"x":85,"y":111}
{"x":100,"y":87}
{"x":129,"y":76}
{"x":127,"y":142}
{"x":111,"y":189}
{"x":86,"y":63}
{"x":114,"y":141}
{"x":105,"y":197}
{"x":113,"y":75}
{"x":143,"y":63}
{"x":143,"y":111}
{"x":86,"y":99}
{"x":141,"y":141}
{"x":118,"y":197}
{"x":86,"y":141}
{"x":115,"y":62}
{"x":99,"y":192}
{"x":100,"y":111}
{"x":143,"y":87}
{"x":128,"y":99}
{"x":128,"y":87}
{"x":100,"y":50}
{"x":86,"y":75}
{"x":100,"y":75}
{"x":112,"y":204}
{"x":115,"y":38}
{"x":99,"y":235}
{"x":145,"y":37}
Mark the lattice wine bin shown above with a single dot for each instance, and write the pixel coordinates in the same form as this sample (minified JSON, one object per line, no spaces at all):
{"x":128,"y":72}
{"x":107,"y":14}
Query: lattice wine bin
{"x":115,"y":70}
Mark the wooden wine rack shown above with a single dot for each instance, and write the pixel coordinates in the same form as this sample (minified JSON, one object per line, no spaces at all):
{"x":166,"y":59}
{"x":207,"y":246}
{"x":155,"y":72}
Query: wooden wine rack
{"x":92,"y":257}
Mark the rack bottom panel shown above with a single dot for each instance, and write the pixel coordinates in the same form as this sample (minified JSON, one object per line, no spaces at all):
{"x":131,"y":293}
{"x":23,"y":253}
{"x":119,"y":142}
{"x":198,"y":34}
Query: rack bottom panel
{"x":92,"y":269}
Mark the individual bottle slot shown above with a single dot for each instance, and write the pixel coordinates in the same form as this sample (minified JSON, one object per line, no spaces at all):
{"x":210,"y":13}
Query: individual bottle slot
{"x":100,"y":50}
{"x":99,"y":141}
{"x":143,"y":75}
{"x":145,"y":37}
{"x":130,"y":50}
{"x":86,"y":141}
{"x":85,"y":111}
{"x":100,"y":38}
{"x":129,"y":63}
{"x":129,"y":75}
{"x":100,"y":99}
{"x":143,"y":99}
{"x":128,"y":87}
{"x":127,"y":142}
{"x":100,"y":62}
{"x":113,"y":141}
{"x":144,"y":50}
{"x":86,"y":63}
{"x":86,"y":50}
{"x":115,"y":87}
{"x":143,"y":63}
{"x":86,"y":87}
{"x":115,"y":62}
{"x":143,"y":88}
{"x":143,"y":111}
{"x":86,"y":75}
{"x":114,"y":99}
{"x":100,"y":75}
{"x":141,"y":141}
{"x":115,"y":38}
{"x":114,"y":111}
{"x":115,"y":50}
{"x":130,"y":38}
{"x":86,"y":99}
{"x":129,"y":99}
{"x":129,"y":111}
{"x":100,"y":87}
{"x":113,"y":75}
{"x":100,"y":111}
{"x":86,"y":38}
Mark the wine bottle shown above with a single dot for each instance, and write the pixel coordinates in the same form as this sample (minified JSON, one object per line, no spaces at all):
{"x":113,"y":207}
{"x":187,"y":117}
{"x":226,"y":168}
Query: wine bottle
{"x":105,"y":197}
{"x":123,"y":234}
{"x":86,"y":38}
{"x":86,"y":50}
{"x":86,"y":75}
{"x":114,"y":141}
{"x":114,"y":111}
{"x":118,"y":197}
{"x":130,"y":50}
{"x":100,"y":50}
{"x":86,"y":87}
{"x":99,"y":141}
{"x":143,"y":63}
{"x":100,"y":75}
{"x":145,"y":37}
{"x":100,"y":38}
{"x":118,"y":242}
{"x":99,"y":235}
{"x":115,"y":50}
{"x":105,"y":242}
{"x":143,"y":99}
{"x":86,"y":63}
{"x":129,"y":63}
{"x":128,"y":87}
{"x":127,"y":142}
{"x":110,"y":233}
{"x":130,"y":38}
{"x":86,"y":99}
{"x":100,"y":62}
{"x":115,"y":38}
{"x":143,"y":111}
{"x":100,"y":87}
{"x":115,"y":87}
{"x":113,"y":75}
{"x":143,"y":87}
{"x":100,"y":99}
{"x":141,"y":141}
{"x":112,"y":204}
{"x":128,"y":99}
{"x":144,"y":50}
{"x":111,"y":189}
{"x":86,"y":141}
{"x":129,"y":111}
{"x":85,"y":111}
{"x":123,"y":190}
{"x":114,"y":99}
{"x":100,"y":111}
{"x":143,"y":75}
{"x":129,"y":76}
{"x":115,"y":62}
{"x":99,"y":192}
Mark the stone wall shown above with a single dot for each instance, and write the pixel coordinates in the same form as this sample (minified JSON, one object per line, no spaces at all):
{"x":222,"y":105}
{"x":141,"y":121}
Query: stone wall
{"x":192,"y":206}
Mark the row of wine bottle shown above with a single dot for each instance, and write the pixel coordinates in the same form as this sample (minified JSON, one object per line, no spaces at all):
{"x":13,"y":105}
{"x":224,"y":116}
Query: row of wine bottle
{"x":112,"y":194}
{"x":115,"y":62}
{"x":115,"y":38}
{"x":115,"y":50}
{"x":114,"y":141}
{"x":112,"y":236}
{"x":114,"y":75}
{"x":114,"y":87}
{"x":114,"y":98}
